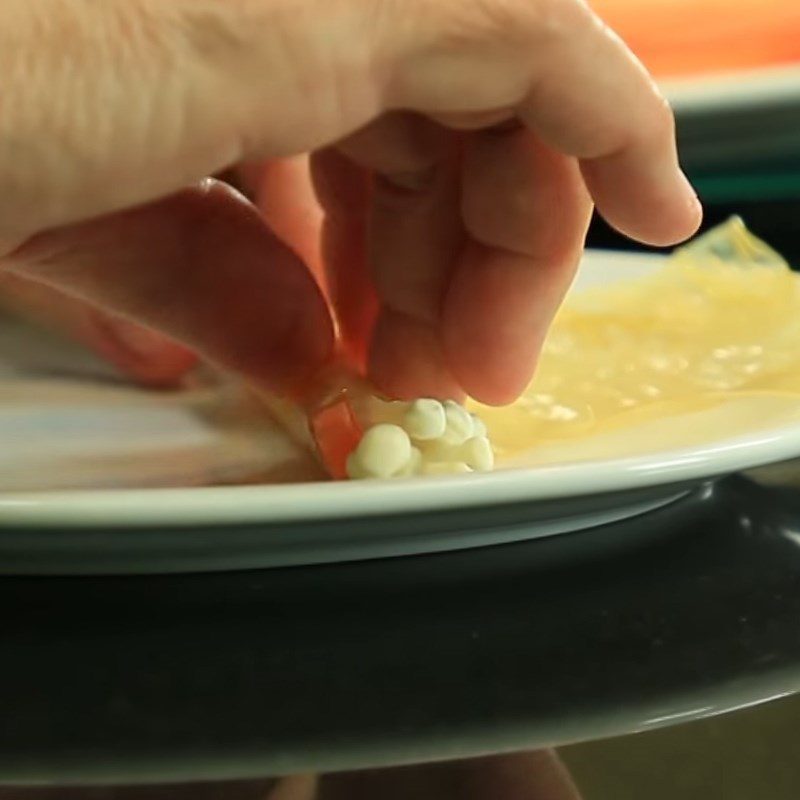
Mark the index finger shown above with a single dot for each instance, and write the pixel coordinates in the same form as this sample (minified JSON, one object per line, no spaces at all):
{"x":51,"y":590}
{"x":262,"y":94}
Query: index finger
{"x":572,"y":81}
{"x":597,"y":102}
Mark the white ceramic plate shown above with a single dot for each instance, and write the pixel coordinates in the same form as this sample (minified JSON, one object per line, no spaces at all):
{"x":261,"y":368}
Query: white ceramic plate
{"x":767,"y":434}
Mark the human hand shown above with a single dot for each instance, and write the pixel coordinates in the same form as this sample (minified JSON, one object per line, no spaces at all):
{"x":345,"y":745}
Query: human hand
{"x":456,"y":149}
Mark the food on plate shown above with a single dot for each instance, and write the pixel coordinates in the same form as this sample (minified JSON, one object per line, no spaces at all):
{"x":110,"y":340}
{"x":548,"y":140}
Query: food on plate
{"x":426,"y":438}
{"x":357,"y":434}
{"x":719,"y":319}
{"x":718,"y":322}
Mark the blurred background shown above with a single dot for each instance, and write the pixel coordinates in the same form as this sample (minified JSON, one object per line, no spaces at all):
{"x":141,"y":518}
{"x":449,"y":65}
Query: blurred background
{"x":732,"y":71}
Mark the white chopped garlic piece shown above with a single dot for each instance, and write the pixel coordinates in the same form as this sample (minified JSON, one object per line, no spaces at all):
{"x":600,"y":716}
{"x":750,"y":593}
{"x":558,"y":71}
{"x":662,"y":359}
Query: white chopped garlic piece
{"x":413,"y":466}
{"x":426,"y":438}
{"x":425,"y":420}
{"x":384,"y":451}
{"x":459,"y":425}
{"x":478,"y":426}
{"x":478,"y":454}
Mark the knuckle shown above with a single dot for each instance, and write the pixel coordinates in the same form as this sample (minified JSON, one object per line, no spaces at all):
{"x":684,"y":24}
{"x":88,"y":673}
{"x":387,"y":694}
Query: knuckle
{"x":481,"y":52}
{"x":559,"y":19}
{"x":397,"y":144}
{"x":507,"y":28}
{"x":458,"y":24}
{"x":509,"y":18}
{"x":501,"y":21}
{"x":216,"y":30}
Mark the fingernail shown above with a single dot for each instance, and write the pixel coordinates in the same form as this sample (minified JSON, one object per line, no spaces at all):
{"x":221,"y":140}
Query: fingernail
{"x":692,"y":200}
{"x":688,"y":189}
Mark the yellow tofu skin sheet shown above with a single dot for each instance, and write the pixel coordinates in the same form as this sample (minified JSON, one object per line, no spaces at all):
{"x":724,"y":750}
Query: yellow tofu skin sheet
{"x":711,"y":340}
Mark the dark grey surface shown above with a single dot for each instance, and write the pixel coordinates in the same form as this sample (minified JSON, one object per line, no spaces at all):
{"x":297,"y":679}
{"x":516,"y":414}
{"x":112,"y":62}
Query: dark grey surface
{"x":686,"y":612}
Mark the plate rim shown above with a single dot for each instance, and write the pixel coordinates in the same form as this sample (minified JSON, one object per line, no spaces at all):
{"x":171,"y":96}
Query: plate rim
{"x":283,"y":503}
{"x":218,"y":506}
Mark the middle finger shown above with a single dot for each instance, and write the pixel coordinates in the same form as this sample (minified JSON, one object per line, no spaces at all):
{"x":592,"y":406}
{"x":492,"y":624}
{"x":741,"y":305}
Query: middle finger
{"x":414,"y":233}
{"x":526,"y":211}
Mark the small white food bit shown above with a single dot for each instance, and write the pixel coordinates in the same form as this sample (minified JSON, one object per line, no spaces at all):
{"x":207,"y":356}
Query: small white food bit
{"x":424,"y":437}
{"x":477,"y":453}
{"x":384,"y":451}
{"x":478,"y":426}
{"x":425,"y":420}
{"x":413,"y":466}
{"x":459,"y":426}
{"x":439,"y":450}
{"x":445,"y":468}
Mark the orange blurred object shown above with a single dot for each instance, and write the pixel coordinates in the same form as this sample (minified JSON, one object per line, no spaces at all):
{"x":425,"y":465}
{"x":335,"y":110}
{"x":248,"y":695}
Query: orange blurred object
{"x":681,"y":38}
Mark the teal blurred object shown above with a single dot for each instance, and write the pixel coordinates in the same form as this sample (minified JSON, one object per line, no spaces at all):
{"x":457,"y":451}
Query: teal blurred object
{"x":743,"y":153}
{"x":773,"y":217}
{"x":749,"y":185}
{"x":743,"y":158}
{"x":759,"y":131}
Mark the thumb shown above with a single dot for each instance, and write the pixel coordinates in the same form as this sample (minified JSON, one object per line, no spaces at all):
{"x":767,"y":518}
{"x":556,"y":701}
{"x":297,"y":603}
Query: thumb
{"x":203,"y":268}
{"x":138,"y":353}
